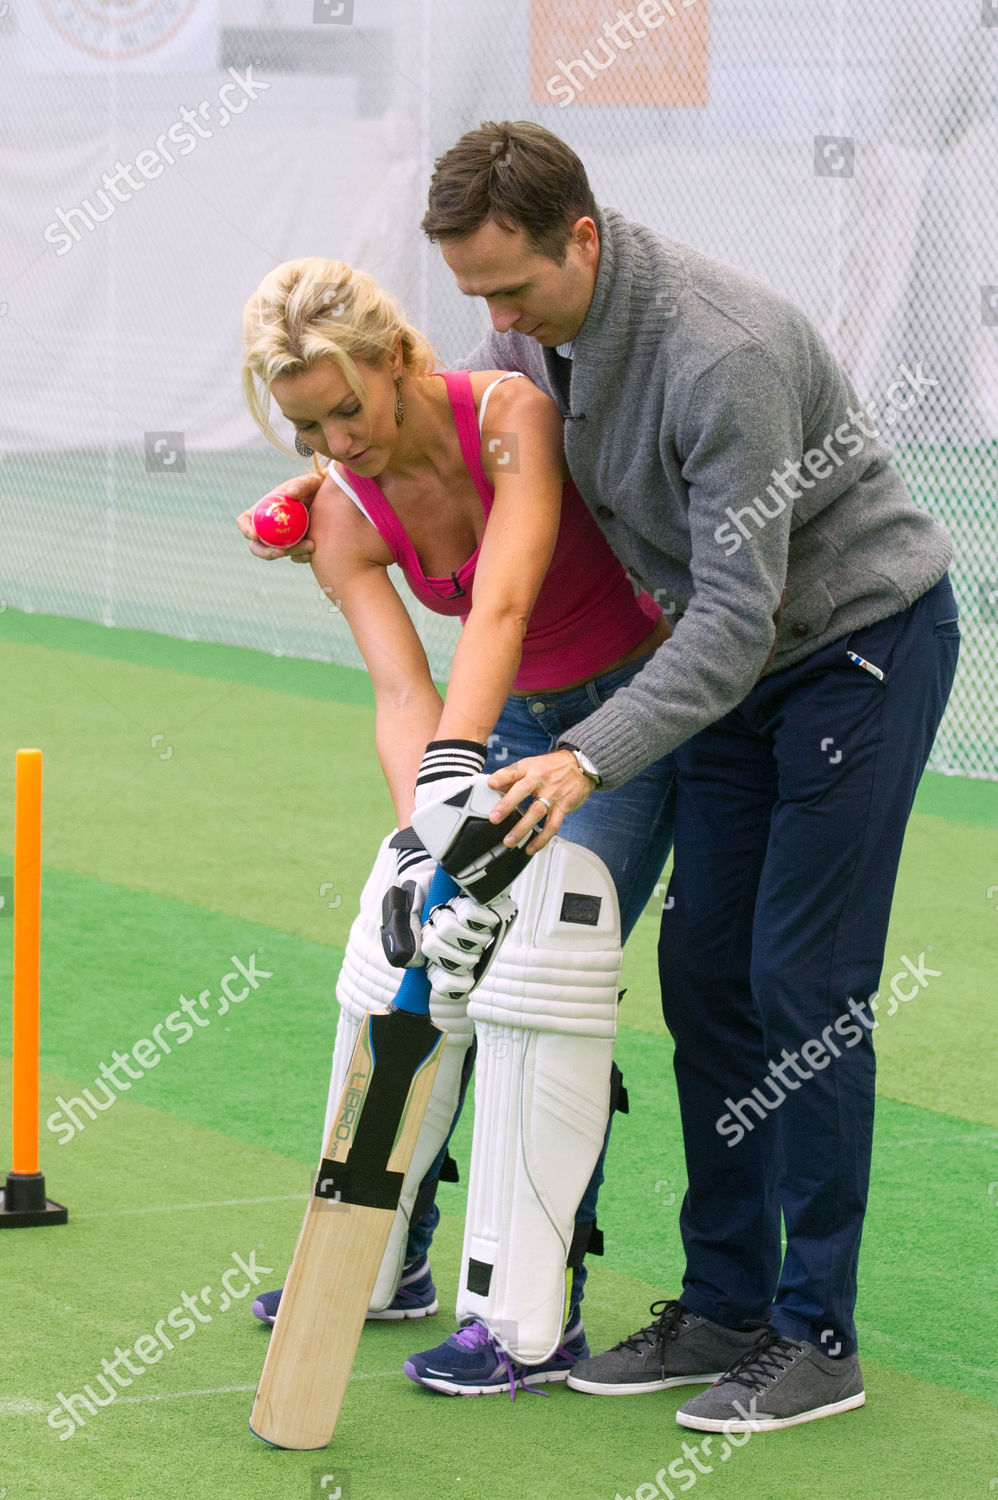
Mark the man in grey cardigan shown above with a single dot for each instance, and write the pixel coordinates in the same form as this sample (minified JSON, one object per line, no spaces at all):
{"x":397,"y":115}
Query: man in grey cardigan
{"x":727,"y":458}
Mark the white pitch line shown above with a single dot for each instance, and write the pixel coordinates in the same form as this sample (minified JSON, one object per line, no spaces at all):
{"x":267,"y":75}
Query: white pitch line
{"x":176,"y":1208}
{"x":222,"y":1390}
{"x":218,"y":1390}
{"x":21,"y":1406}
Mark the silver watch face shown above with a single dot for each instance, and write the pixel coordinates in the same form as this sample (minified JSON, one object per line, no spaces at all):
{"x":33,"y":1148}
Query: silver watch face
{"x":586,"y":765}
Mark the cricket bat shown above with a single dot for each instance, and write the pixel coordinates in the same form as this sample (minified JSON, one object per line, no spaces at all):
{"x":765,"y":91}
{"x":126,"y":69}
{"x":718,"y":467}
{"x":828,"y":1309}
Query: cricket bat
{"x":349,"y":1216}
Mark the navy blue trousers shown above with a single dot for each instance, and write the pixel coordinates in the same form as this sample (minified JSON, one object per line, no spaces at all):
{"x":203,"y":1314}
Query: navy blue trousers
{"x":790,"y":816}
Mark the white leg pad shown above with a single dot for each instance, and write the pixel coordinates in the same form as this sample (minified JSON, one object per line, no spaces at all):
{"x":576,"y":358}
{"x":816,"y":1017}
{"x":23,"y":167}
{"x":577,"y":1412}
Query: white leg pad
{"x":545,"y":1013}
{"x":367,"y":983}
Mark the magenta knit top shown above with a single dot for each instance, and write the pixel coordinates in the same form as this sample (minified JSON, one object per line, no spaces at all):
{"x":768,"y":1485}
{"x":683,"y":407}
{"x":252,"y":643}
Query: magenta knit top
{"x":586,"y":615}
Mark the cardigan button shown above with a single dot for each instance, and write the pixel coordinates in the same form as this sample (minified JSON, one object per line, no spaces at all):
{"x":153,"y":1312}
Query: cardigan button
{"x":604,"y":512}
{"x":801,"y":630}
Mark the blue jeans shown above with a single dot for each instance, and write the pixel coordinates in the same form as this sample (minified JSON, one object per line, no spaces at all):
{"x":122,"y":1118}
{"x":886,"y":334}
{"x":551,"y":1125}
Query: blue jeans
{"x":790,"y":815}
{"x":629,"y":828}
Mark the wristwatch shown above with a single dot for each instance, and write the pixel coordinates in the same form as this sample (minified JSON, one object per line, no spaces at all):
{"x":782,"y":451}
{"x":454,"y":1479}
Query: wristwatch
{"x":583,"y":762}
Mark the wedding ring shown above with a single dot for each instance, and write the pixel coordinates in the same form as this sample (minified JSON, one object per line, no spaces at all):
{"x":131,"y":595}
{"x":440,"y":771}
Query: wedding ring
{"x":545,"y":801}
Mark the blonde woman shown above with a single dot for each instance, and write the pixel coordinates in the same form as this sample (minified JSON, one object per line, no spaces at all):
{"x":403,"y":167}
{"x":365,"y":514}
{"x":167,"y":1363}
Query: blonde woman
{"x":460,"y":479}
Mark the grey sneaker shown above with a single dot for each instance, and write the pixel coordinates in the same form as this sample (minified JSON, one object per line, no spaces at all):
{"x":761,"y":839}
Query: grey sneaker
{"x":679,"y":1348}
{"x":777,"y":1384}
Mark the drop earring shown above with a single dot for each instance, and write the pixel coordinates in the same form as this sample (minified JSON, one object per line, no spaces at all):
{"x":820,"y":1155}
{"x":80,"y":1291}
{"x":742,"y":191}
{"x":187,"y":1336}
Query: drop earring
{"x":399,"y":404}
{"x":302,"y":446}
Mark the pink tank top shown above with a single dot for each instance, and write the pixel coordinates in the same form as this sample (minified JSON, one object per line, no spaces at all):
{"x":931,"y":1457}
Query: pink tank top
{"x":586,"y":616}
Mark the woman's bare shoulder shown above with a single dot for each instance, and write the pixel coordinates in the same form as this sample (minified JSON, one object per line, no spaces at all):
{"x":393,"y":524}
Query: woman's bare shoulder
{"x":335,"y":521}
{"x":513,"y":396}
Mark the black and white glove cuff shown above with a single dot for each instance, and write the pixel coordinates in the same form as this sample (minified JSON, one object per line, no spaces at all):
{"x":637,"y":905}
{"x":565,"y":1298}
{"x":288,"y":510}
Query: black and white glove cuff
{"x":409,"y":850}
{"x":446,"y":760}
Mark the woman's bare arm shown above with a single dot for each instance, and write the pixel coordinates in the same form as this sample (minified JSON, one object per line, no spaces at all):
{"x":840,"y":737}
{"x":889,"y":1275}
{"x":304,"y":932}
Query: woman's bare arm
{"x":350,"y":563}
{"x":516,"y":550}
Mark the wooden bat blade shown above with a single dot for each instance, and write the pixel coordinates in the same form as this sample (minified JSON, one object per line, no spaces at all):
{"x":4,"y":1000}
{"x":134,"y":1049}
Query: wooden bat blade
{"x":347,"y":1223}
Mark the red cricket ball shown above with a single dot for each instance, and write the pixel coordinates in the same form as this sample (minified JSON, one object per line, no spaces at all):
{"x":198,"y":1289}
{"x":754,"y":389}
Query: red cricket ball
{"x":280,"y":521}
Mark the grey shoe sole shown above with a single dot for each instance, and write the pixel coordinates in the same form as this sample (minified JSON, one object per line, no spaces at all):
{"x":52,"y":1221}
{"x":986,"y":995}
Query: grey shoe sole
{"x":637,"y":1387}
{"x":763,"y":1423}
{"x":447,"y":1387}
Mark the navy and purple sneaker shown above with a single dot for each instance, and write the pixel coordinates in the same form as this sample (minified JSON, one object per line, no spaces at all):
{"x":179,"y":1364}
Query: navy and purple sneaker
{"x":472,"y":1363}
{"x":416,"y":1298}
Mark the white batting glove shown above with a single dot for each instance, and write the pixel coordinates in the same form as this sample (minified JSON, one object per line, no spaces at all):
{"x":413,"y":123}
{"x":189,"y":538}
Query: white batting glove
{"x":446,"y":765}
{"x":460,"y":938}
{"x":454,"y":938}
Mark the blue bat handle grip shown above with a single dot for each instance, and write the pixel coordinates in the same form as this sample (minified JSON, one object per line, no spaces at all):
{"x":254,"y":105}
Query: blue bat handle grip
{"x":414,"y":991}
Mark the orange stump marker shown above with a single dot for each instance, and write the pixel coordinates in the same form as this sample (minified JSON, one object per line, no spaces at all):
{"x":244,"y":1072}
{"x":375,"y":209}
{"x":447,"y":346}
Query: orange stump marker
{"x":23,"y":1202}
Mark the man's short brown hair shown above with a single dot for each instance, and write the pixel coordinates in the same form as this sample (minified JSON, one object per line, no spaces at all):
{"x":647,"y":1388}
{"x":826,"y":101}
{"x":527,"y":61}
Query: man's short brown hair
{"x":516,"y":174}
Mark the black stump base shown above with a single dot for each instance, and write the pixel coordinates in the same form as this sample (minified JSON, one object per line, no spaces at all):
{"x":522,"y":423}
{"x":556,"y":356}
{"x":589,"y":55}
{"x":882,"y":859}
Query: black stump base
{"x":23,"y":1202}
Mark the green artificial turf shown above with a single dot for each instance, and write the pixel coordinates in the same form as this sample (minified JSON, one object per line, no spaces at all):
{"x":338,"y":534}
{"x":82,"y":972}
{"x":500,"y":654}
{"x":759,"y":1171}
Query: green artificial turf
{"x":249,"y":841}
